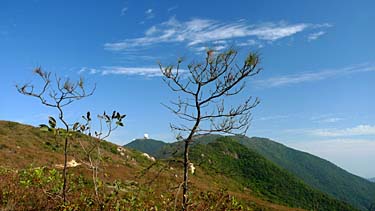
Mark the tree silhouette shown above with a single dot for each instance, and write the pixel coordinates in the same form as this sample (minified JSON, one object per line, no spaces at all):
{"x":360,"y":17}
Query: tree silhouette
{"x":57,"y":95}
{"x":203,"y":104}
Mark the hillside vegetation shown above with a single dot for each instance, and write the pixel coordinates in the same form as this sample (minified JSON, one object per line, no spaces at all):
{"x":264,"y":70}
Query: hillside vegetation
{"x":149,"y":146}
{"x":30,"y":178}
{"x":228,"y":157}
{"x":319,"y":173}
{"x":314,"y":171}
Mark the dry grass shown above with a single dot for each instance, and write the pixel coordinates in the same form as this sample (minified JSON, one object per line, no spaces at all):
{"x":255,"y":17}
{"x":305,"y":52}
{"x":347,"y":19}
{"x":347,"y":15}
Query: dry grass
{"x":142,"y":184}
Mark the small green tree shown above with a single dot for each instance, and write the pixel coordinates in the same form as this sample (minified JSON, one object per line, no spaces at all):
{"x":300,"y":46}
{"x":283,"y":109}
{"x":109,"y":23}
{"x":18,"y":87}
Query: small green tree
{"x":203,"y":89}
{"x":57,"y":94}
{"x":92,"y":153}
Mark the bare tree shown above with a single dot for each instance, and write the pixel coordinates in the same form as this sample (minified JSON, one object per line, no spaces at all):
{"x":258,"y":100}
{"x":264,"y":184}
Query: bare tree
{"x":203,"y":89}
{"x":57,"y":95}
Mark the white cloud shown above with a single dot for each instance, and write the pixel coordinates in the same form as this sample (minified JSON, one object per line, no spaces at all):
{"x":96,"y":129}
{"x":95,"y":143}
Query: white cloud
{"x":331,"y":120}
{"x":326,"y":118}
{"x":88,"y":70}
{"x":359,"y":130}
{"x":315,"y":35}
{"x":130,"y":71}
{"x":314,"y":76}
{"x":151,"y":31}
{"x":172,"y":8}
{"x":276,"y":117}
{"x":142,"y":71}
{"x":249,"y":43}
{"x":203,"y":31}
{"x":149,"y":13}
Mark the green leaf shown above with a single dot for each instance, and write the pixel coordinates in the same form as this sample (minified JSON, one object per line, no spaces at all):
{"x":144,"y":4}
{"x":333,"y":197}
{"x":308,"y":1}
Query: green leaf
{"x":119,"y":123}
{"x":88,"y":116}
{"x":75,"y":126}
{"x":44,"y":128}
{"x":51,"y":122}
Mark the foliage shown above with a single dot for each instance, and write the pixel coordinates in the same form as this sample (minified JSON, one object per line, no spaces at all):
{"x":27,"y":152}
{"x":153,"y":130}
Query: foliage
{"x":314,"y":171}
{"x":149,"y":146}
{"x":38,"y":188}
{"x":228,"y":157}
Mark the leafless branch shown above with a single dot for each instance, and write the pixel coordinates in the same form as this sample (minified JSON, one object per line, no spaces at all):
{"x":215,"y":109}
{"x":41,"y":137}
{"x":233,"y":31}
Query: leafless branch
{"x":205,"y":87}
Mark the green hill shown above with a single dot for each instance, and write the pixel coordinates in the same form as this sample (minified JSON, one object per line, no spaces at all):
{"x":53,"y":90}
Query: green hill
{"x":314,"y":171}
{"x":230,"y":158}
{"x":319,"y":173}
{"x":150,"y":146}
{"x":253,"y":171}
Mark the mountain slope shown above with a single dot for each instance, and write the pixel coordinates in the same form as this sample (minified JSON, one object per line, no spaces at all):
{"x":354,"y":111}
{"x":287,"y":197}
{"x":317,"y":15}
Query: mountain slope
{"x":228,"y":157}
{"x":316,"y":172}
{"x":27,"y":153}
{"x":251,"y":170}
{"x":149,"y":146}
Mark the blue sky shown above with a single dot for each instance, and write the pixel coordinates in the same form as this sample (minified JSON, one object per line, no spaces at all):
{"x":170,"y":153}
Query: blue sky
{"x":316,"y":90}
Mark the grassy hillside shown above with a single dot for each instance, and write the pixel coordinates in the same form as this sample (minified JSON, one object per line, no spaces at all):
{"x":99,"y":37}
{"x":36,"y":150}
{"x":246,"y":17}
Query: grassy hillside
{"x":255,"y":172}
{"x":228,"y":157}
{"x":30,"y":179}
{"x":316,"y":172}
{"x":150,"y":146}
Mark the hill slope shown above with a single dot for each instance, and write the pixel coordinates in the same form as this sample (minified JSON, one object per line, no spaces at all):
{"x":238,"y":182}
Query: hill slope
{"x":150,"y":146}
{"x":223,"y":156}
{"x":28,"y":153}
{"x":228,"y":157}
{"x":314,"y":171}
{"x":317,"y":172}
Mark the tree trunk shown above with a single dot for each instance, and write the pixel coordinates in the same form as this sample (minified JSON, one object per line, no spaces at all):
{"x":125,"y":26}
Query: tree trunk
{"x":65,"y":168}
{"x":186,"y":176}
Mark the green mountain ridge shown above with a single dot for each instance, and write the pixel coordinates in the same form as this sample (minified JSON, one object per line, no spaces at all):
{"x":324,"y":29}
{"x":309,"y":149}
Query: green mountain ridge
{"x":228,"y":157}
{"x":149,"y":146}
{"x":314,"y":171}
{"x":317,"y":172}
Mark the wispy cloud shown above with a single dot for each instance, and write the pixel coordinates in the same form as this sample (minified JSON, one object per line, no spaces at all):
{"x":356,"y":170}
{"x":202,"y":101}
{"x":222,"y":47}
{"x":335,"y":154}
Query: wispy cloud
{"x":326,"y":118}
{"x":130,"y":71}
{"x":331,"y":120}
{"x":149,"y":13}
{"x":275,"y":117}
{"x":315,"y":35}
{"x":118,"y":70}
{"x":88,"y":70}
{"x":314,"y":76}
{"x":172,"y":8}
{"x":204,"y":31}
{"x":359,"y":130}
{"x":250,"y":42}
